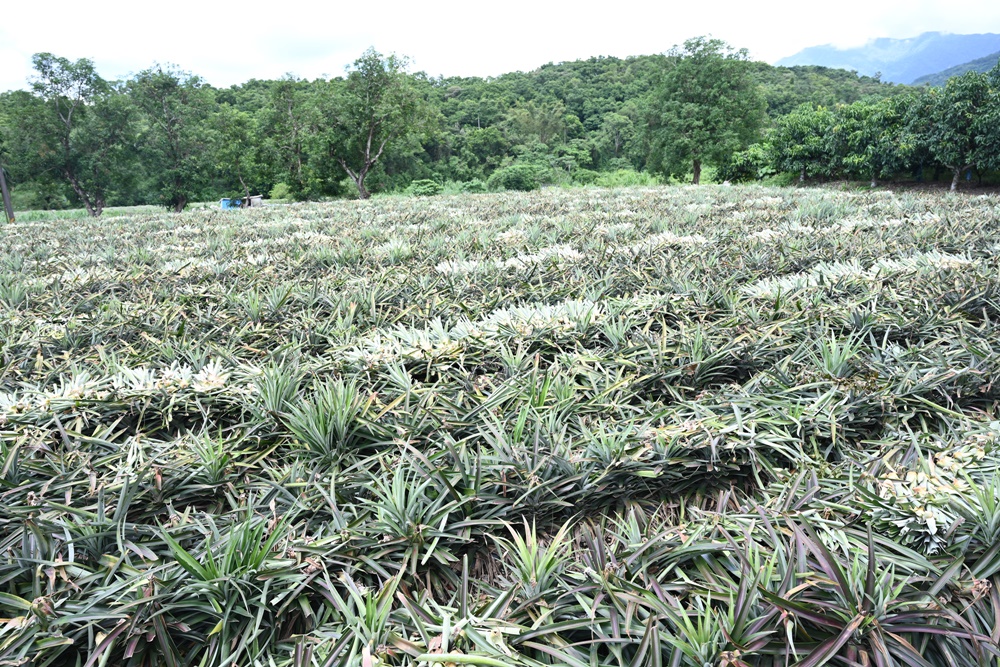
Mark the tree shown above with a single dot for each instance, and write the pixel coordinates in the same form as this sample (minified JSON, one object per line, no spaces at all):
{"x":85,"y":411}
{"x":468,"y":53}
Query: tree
{"x":176,"y":143}
{"x":484,"y":149}
{"x":239,"y":151}
{"x":615,"y":133}
{"x":990,"y":124}
{"x":77,"y":128}
{"x":284,"y":123}
{"x":957,"y":122}
{"x":870,"y":137}
{"x":374,"y":107}
{"x":108,"y":151}
{"x":707,"y":106}
{"x":26,"y":152}
{"x":799,"y":142}
{"x":754,"y":163}
{"x":543,"y":123}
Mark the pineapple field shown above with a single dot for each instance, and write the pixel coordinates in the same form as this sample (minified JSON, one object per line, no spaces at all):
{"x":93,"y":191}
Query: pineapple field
{"x":705,"y":426}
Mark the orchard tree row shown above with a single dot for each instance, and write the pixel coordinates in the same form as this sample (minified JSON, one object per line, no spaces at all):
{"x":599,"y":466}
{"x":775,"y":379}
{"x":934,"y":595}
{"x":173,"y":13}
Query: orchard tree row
{"x":917,"y":133}
{"x":166,"y":137}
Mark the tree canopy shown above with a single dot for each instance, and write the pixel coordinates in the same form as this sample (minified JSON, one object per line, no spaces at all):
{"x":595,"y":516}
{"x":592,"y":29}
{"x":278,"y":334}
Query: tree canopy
{"x":708,"y":106}
{"x":73,"y":129}
{"x":917,"y":131}
{"x":176,"y":135}
{"x":167,"y":137}
{"x":376,"y":106}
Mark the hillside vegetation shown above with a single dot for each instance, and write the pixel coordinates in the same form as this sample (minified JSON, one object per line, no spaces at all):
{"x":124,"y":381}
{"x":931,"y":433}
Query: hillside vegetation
{"x":166,"y":137}
{"x":918,"y":134}
{"x":646,"y":426}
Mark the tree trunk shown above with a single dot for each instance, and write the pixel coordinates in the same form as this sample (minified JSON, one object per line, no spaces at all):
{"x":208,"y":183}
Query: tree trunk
{"x":696,"y":172}
{"x":75,"y":184}
{"x":954,"y":181}
{"x":8,"y":209}
{"x":874,"y":183}
{"x":91,"y":211}
{"x":239,"y":175}
{"x":802,"y":175}
{"x":179,"y":201}
{"x":359,"y":177}
{"x":362,"y":190}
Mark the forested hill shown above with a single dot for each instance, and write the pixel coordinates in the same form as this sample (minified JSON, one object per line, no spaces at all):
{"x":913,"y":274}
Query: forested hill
{"x":980,"y":65}
{"x":590,"y":88}
{"x":571,"y":120}
{"x":785,"y":88}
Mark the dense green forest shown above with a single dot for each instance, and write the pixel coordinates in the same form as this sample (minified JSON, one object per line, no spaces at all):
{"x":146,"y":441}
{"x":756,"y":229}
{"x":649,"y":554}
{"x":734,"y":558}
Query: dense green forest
{"x":166,"y":137}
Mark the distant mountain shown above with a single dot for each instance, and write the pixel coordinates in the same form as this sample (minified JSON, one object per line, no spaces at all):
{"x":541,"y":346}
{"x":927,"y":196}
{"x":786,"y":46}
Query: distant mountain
{"x":977,"y":65}
{"x":901,"y":60}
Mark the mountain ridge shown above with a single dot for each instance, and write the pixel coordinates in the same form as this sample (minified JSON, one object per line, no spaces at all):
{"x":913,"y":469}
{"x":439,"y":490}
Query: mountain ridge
{"x":984,"y":64}
{"x":901,"y":60}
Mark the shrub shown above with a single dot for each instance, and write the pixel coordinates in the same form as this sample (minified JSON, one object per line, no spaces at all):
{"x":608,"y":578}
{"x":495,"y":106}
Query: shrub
{"x":515,"y":177}
{"x":585,"y":176}
{"x":424,"y":187}
{"x":618,"y":163}
{"x":784,"y":179}
{"x":38,"y":196}
{"x":752,"y":164}
{"x":625,"y":178}
{"x":474,"y":186}
{"x":280,"y":191}
{"x":464,"y":187}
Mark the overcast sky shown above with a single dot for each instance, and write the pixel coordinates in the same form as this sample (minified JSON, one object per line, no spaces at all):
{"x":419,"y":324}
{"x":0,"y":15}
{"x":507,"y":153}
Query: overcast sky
{"x":227,"y":43}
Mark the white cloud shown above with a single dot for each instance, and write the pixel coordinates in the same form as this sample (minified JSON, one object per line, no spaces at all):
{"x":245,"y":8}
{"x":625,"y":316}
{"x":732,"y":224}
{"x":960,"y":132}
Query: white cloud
{"x":228,"y":43}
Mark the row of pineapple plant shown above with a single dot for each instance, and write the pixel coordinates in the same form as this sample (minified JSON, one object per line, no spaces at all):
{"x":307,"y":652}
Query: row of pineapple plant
{"x":682,"y":426}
